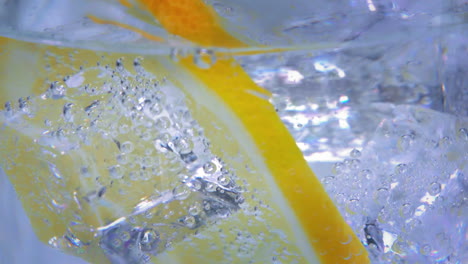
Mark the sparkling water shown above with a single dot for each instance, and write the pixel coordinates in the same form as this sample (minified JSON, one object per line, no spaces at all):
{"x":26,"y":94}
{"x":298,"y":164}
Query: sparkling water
{"x":383,"y":121}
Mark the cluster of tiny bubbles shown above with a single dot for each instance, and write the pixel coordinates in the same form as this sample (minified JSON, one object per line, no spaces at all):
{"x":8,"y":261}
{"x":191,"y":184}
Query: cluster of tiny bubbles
{"x":403,"y":193}
{"x":202,"y":58}
{"x":128,"y":243}
{"x":23,"y":107}
{"x":145,"y":138}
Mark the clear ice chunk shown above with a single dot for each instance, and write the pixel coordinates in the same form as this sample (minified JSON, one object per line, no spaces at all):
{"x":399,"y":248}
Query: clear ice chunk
{"x":406,"y":194}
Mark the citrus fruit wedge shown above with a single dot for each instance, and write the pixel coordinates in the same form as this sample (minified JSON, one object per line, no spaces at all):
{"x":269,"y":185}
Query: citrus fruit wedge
{"x":168,"y":161}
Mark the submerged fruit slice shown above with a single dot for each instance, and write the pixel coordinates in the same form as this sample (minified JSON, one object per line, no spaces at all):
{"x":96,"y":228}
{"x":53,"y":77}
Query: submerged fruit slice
{"x":193,"y":20}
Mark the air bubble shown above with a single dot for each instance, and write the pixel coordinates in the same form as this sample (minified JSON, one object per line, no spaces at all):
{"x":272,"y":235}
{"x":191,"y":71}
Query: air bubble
{"x":122,"y":159}
{"x":137,"y":63}
{"x":195,"y":209}
{"x":133,"y":176}
{"x":125,"y":236}
{"x":181,"y":192}
{"x":209,"y":167}
{"x":85,"y":172}
{"x":401,"y":168}
{"x":354,"y":164}
{"x":355,"y":153}
{"x":381,"y":195}
{"x":210,"y":187}
{"x":54,"y":242}
{"x":463,"y":134}
{"x":405,"y":142}
{"x":149,"y":214}
{"x":435,"y":188}
{"x":204,"y":59}
{"x":353,"y":205}
{"x":126,"y":147}
{"x":196,"y":184}
{"x":183,"y":145}
{"x":338,"y":168}
{"x":366,"y":174}
{"x":174,"y":54}
{"x":147,"y":162}
{"x":23,"y":104}
{"x":184,"y":178}
{"x":169,"y":245}
{"x":124,"y":129}
{"x":414,"y":223}
{"x":161,"y":144}
{"x":119,"y":64}
{"x":67,"y":112}
{"x":116,"y":243}
{"x":445,"y":142}
{"x":400,"y":247}
{"x":88,"y":109}
{"x":224,"y":180}
{"x":430,"y":143}
{"x":239,"y":199}
{"x":163,"y":122}
{"x":148,"y":239}
{"x":145,"y":258}
{"x":115,"y":172}
{"x":9,"y":110}
{"x":188,"y":157}
{"x":56,"y":91}
{"x":155,"y":109}
{"x":47,"y":123}
{"x":55,"y":171}
{"x":190,"y":221}
{"x":406,"y":210}
{"x":425,"y":250}
{"x":328,"y":179}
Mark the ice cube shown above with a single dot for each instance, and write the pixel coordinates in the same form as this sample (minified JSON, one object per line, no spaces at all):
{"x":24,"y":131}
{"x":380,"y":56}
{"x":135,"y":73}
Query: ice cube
{"x":410,"y":183}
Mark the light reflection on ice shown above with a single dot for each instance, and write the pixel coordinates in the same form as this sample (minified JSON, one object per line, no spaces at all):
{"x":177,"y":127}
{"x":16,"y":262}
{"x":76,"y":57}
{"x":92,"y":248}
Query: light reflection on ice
{"x":325,"y":156}
{"x":388,"y":239}
{"x":420,"y":210}
{"x":285,"y":75}
{"x":302,"y":146}
{"x":344,"y":99}
{"x":290,"y":76}
{"x":429,"y":199}
{"x":371,"y":6}
{"x":343,"y":115}
{"x":328,"y":67}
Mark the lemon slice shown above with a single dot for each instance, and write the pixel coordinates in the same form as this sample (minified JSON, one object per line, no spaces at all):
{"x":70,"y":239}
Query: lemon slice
{"x":315,"y":225}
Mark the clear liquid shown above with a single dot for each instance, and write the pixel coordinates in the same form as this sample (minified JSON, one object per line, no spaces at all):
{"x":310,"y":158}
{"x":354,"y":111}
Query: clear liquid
{"x":401,"y":102}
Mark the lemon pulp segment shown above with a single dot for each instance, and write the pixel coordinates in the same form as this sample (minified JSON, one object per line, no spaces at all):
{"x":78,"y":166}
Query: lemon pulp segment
{"x":192,"y":20}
